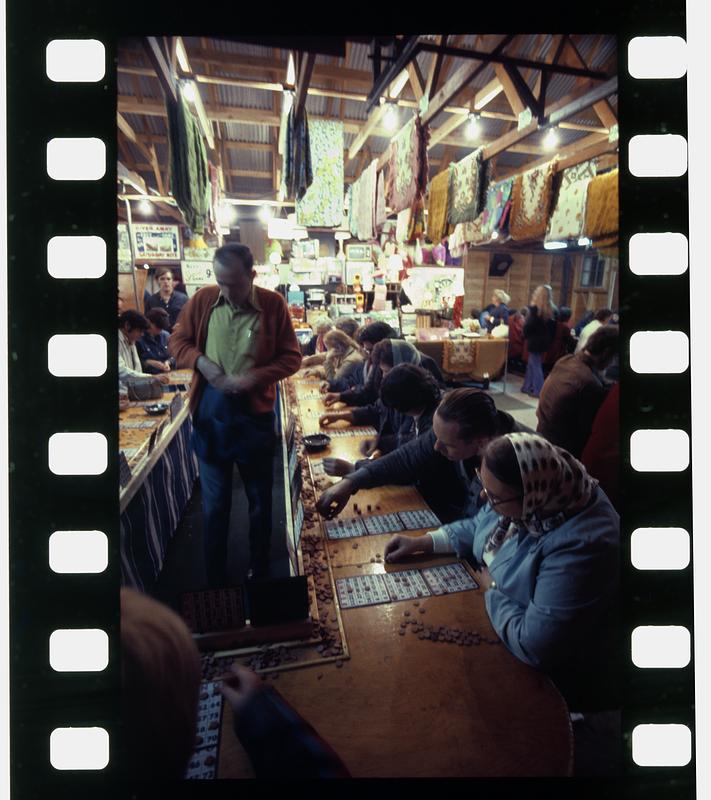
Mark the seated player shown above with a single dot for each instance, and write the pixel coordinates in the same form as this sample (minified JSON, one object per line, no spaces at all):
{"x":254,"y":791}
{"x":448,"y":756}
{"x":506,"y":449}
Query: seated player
{"x":160,"y":670}
{"x":409,"y":396}
{"x":153,"y":345}
{"x":441,"y":463}
{"x":341,"y":365}
{"x":132,"y":326}
{"x":368,"y":389}
{"x":315,"y":351}
{"x":547,"y":549}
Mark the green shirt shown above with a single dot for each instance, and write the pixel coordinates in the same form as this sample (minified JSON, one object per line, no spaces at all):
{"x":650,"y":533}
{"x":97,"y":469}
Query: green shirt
{"x":232,"y":334}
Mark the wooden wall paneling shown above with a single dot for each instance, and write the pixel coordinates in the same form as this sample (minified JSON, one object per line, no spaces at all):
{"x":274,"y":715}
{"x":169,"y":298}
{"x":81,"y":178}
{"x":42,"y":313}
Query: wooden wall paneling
{"x":519,"y":276}
{"x":125,"y":285}
{"x":540,"y":270}
{"x":476,"y":268}
{"x":556,"y":277}
{"x":254,"y":235}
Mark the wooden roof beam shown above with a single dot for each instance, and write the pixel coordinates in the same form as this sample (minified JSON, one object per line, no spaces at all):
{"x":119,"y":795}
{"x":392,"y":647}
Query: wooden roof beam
{"x":303,"y":79}
{"x":463,"y":76}
{"x":603,"y":109}
{"x":182,"y":57}
{"x":157,"y":59}
{"x":416,"y":80}
{"x":571,"y":155}
{"x":435,"y":69}
{"x":361,"y":137}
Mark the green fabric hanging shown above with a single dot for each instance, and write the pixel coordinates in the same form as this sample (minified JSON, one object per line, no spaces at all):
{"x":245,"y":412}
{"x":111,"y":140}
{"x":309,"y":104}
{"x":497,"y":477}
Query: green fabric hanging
{"x":189,"y":169}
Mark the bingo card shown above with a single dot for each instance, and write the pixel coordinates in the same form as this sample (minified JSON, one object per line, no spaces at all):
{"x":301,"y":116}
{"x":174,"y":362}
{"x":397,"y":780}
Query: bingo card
{"x":362,"y":590}
{"x":449,"y":578}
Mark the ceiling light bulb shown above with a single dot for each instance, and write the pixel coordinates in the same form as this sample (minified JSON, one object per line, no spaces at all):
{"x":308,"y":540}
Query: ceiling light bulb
{"x":550,"y":142}
{"x":390,"y":118}
{"x":265,"y":213}
{"x":189,"y":91}
{"x":472,"y":129}
{"x":145,"y":207}
{"x":494,"y":234}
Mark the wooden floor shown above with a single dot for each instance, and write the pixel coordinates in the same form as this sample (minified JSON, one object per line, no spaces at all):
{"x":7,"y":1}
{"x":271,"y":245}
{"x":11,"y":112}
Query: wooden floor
{"x":405,"y":706}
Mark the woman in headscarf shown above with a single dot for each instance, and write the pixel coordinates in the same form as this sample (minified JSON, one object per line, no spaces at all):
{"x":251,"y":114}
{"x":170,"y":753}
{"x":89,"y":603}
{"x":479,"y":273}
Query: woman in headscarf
{"x":546,"y":545}
{"x":342,"y":366}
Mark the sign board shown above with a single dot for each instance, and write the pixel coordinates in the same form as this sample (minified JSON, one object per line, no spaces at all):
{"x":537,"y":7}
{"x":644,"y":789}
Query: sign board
{"x":157,"y":242}
{"x":198,"y":273}
{"x":125,"y":256}
{"x":525,"y":118}
{"x":305,"y":249}
{"x":199,"y":253}
{"x":359,"y":252}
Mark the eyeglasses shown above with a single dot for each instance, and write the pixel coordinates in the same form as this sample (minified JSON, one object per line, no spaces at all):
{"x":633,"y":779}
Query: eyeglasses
{"x":490,"y":499}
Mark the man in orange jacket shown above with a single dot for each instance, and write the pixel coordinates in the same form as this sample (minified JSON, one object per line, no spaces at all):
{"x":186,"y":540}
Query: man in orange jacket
{"x":240,"y":341}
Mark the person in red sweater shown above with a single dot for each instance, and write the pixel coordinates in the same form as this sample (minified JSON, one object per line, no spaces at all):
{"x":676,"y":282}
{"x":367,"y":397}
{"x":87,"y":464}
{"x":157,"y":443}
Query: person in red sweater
{"x":240,"y":341}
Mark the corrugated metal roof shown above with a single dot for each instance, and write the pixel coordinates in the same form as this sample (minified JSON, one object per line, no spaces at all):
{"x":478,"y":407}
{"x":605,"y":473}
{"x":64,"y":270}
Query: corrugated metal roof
{"x":358,"y":57}
{"x":243,"y":97}
{"x":317,"y":105}
{"x":258,"y":160}
{"x":247,"y":132}
{"x":352,"y":109}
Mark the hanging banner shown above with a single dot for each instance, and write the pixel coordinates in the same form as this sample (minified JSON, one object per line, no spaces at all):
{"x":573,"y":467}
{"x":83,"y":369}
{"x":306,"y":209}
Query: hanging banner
{"x":157,"y":242}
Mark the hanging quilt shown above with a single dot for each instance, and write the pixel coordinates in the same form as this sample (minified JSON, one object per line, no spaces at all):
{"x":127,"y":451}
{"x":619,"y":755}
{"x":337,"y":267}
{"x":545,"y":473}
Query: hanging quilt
{"x":493,"y":217}
{"x":381,"y":211}
{"x":402,"y":229}
{"x":352,"y":209}
{"x":298,"y":172}
{"x":189,"y":175}
{"x":365,"y":207}
{"x":568,"y":216}
{"x":602,"y":213}
{"x":465,"y":180}
{"x":531,"y":202}
{"x":407,"y":176}
{"x":322,"y":204}
{"x":437,"y":206}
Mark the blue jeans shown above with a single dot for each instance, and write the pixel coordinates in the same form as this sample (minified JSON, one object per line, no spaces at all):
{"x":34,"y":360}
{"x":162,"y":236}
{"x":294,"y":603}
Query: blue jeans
{"x":225,"y":433}
{"x":533,"y":379}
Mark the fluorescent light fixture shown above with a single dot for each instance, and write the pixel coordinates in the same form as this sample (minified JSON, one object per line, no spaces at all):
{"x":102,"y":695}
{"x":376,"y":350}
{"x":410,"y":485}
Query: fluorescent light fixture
{"x":472,"y":129}
{"x":145,"y":207}
{"x":265,"y":213}
{"x":390,"y":117}
{"x":584,"y":241}
{"x":550,"y":140}
{"x":226,"y":215}
{"x":189,"y":90}
{"x":291,"y":70}
{"x":555,"y":245}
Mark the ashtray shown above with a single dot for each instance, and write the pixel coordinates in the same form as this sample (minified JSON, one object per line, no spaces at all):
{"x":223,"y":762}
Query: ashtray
{"x":157,"y":409}
{"x":316,"y":442}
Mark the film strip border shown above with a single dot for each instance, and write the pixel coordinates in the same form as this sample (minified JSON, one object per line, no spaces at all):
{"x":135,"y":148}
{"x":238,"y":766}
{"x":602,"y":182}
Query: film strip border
{"x":49,"y":594}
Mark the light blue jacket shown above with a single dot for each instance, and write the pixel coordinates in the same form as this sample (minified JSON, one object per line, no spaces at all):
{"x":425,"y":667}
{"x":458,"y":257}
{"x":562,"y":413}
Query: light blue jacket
{"x":553,"y":591}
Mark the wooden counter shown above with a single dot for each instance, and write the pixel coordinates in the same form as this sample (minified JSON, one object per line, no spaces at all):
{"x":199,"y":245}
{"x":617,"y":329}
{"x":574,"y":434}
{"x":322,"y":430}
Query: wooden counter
{"x":405,"y":706}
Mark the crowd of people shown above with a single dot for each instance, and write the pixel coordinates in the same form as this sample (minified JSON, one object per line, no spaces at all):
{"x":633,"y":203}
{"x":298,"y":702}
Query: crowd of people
{"x":533,"y":511}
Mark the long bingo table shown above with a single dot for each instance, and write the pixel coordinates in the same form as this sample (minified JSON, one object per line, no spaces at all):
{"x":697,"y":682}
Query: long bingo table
{"x":423,"y":688}
{"x":159,"y":472}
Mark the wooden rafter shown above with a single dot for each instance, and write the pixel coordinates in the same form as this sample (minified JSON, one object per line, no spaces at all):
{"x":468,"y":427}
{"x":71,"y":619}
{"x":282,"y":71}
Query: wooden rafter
{"x":416,"y":80}
{"x":303,"y":79}
{"x":435,"y":69}
{"x":603,"y":109}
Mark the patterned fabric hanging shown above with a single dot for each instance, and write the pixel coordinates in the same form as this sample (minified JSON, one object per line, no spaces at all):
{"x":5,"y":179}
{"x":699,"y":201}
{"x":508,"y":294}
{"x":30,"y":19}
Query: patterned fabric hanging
{"x":381,"y":213}
{"x":465,"y":183}
{"x":531,"y":202}
{"x":568,"y":217}
{"x":407,"y":176}
{"x":353,"y":194}
{"x":189,"y":175}
{"x":365,"y":207}
{"x":322,"y":204}
{"x":298,"y":172}
{"x":459,"y":357}
{"x":602,"y":214}
{"x":497,"y":200}
{"x":437,"y":206}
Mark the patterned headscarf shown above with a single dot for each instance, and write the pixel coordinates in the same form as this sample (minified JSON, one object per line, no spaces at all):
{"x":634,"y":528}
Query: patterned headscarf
{"x":555,"y":487}
{"x":404,"y":353}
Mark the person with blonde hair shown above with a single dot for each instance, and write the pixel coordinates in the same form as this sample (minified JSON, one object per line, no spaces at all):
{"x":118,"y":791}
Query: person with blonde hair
{"x":160,"y":676}
{"x":341,"y":368}
{"x":315,"y":352}
{"x":538,"y":330}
